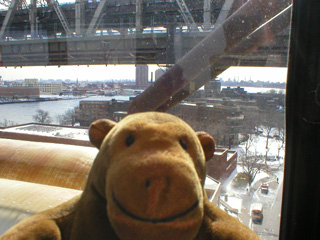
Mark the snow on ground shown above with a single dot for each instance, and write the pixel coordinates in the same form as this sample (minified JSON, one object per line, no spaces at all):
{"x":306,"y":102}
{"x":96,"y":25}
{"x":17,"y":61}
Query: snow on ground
{"x":260,"y":176}
{"x":234,"y":202}
{"x":258,"y":146}
{"x":59,"y":97}
{"x":52,"y":131}
{"x":238,"y":197}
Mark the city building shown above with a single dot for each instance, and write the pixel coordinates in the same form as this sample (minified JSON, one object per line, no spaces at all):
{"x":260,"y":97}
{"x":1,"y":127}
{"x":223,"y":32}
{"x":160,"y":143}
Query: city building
{"x":237,"y":92}
{"x":29,"y":88}
{"x":19,"y":92}
{"x":223,"y":163}
{"x":158,"y":73}
{"x":31,"y":83}
{"x":195,"y":96}
{"x":45,"y":88}
{"x":119,"y":115}
{"x":212,"y":88}
{"x":26,"y":83}
{"x":89,"y":111}
{"x":17,"y":84}
{"x":212,"y":118}
{"x":200,"y":115}
{"x":142,"y":73}
{"x":51,"y":88}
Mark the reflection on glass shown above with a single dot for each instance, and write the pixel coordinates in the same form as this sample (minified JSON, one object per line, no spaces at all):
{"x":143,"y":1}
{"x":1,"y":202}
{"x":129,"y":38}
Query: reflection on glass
{"x":218,"y":65}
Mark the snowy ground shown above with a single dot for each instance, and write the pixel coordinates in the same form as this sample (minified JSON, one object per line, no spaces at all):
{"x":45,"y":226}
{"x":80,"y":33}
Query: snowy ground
{"x":52,"y":131}
{"x":258,"y":145}
{"x":235,"y":194}
{"x":242,"y":198}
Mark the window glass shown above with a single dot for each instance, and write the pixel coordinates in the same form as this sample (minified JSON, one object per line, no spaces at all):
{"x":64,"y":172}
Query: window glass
{"x":221,"y":66}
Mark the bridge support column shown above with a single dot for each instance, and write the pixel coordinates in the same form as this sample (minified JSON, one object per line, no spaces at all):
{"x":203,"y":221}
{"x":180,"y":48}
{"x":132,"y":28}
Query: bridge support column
{"x":206,"y":14}
{"x":79,"y":15}
{"x":139,"y":6}
{"x":178,"y":51}
{"x":170,"y":52}
{"x":33,"y":18}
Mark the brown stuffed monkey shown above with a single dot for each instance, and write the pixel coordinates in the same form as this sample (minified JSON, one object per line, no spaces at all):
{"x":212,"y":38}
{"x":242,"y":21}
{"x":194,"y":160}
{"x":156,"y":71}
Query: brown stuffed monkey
{"x":147,"y":182}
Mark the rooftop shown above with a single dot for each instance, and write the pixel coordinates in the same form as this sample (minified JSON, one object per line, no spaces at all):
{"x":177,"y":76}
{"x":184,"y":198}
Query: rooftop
{"x":51,"y":131}
{"x":47,"y":133}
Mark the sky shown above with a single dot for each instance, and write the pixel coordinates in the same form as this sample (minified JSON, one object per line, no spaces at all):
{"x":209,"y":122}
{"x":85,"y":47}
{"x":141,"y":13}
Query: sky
{"x":119,"y":72}
{"x":93,"y":72}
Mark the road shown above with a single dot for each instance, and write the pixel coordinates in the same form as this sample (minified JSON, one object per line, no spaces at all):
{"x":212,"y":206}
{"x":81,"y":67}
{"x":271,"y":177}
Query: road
{"x":269,"y":229}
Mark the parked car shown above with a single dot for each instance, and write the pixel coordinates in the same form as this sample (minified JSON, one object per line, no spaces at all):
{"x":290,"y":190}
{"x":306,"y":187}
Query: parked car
{"x":264,"y":188}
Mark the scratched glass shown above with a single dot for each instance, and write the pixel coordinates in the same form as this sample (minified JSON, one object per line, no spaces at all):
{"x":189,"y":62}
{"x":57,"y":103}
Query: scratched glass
{"x":218,"y":65}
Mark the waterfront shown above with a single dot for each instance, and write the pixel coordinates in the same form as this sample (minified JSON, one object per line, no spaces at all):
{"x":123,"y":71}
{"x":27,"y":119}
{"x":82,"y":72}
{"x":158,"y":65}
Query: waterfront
{"x":20,"y":113}
{"x":259,"y":89}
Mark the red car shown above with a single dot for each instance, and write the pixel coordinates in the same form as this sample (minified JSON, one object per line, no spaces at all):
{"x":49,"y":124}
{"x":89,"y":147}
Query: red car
{"x":264,"y":188}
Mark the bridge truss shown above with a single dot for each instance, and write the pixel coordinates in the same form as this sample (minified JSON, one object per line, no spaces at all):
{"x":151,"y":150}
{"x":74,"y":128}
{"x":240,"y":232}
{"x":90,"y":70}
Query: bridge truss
{"x":74,"y":19}
{"x":44,"y":32}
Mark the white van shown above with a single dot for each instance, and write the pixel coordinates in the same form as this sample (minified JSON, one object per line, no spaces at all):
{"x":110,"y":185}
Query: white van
{"x":257,"y":213}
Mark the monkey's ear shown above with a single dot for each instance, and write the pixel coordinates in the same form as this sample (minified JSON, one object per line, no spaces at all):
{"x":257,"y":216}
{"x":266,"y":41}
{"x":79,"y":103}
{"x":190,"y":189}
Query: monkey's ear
{"x":208,"y":144}
{"x":98,"y":130}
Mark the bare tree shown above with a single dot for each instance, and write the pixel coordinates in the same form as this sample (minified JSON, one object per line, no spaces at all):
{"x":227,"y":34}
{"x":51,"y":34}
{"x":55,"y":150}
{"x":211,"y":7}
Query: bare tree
{"x":251,"y":166}
{"x":251,"y":121}
{"x":218,"y":131}
{"x":6,"y":123}
{"x":267,"y":119}
{"x":42,"y":116}
{"x":280,"y":128}
{"x":248,"y":141}
{"x":249,"y":159}
{"x":68,"y":118}
{"x":273,"y":122}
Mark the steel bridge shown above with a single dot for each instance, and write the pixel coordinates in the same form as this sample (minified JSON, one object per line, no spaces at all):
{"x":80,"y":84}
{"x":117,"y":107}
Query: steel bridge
{"x":45,"y":32}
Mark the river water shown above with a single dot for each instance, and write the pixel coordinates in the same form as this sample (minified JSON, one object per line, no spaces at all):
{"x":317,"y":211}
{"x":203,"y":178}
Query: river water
{"x":260,"y":89}
{"x":20,"y":113}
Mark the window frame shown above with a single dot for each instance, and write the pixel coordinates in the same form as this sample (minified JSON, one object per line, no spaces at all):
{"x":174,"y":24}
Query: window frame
{"x":301,"y":193}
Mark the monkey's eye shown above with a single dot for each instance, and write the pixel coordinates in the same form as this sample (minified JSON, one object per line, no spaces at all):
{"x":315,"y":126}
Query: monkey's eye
{"x":183,"y":144}
{"x":130,"y":140}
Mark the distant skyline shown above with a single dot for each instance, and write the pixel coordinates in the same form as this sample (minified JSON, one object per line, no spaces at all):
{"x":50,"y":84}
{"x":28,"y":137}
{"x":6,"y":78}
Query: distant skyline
{"x":265,"y":74}
{"x":121,"y":72}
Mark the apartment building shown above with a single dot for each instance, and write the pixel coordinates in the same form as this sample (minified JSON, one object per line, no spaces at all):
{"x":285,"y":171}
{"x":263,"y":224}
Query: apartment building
{"x":142,"y":72}
{"x":19,"y":92}
{"x":45,"y":88}
{"x":89,"y":111}
{"x":50,"y":88}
